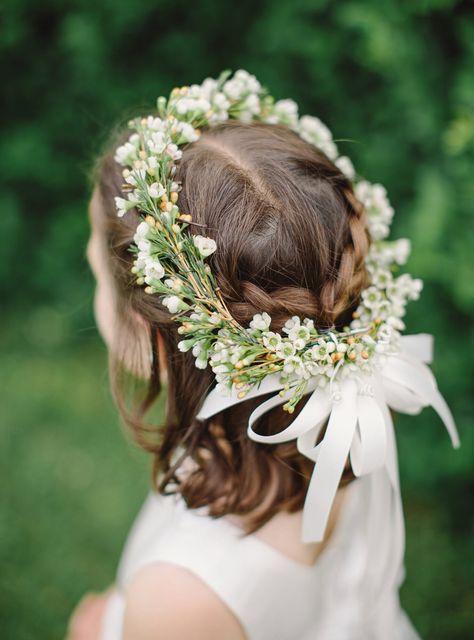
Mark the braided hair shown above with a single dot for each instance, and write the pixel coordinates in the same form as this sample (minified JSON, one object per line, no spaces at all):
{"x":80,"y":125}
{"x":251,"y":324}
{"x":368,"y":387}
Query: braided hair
{"x":292,"y":240}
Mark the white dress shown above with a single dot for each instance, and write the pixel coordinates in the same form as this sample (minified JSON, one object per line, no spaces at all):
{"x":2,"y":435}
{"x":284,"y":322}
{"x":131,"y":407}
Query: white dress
{"x":351,"y":593}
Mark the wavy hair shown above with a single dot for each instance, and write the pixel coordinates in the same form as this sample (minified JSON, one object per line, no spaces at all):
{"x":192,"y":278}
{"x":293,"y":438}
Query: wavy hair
{"x":292,"y":240}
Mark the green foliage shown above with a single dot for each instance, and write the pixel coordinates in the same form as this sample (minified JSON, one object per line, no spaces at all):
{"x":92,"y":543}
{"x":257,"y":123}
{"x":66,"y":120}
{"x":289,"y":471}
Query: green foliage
{"x":394,"y":81}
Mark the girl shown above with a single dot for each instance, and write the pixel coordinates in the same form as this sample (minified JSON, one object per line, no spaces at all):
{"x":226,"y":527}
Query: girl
{"x":216,"y":551}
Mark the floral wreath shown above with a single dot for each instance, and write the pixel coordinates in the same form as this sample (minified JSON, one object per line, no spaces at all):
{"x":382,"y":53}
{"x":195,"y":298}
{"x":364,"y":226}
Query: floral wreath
{"x":171,"y":263}
{"x":355,"y":375}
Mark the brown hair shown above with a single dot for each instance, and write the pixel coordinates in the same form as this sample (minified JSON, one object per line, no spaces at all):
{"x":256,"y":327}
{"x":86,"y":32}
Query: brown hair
{"x":291,"y":240}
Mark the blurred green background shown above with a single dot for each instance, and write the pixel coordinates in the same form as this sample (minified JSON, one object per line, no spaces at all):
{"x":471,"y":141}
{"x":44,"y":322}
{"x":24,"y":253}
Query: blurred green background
{"x":395,"y":83}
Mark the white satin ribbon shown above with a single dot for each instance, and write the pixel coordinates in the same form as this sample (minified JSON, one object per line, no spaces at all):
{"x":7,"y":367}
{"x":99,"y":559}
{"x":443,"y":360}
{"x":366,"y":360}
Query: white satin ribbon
{"x":359,"y":425}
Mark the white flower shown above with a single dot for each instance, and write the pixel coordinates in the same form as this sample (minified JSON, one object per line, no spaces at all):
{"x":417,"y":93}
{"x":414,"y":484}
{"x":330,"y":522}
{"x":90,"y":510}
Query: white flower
{"x":286,"y":112}
{"x":153,"y":271}
{"x":344,"y":164}
{"x":313,"y":130}
{"x":208,"y":88}
{"x":385,"y":333}
{"x":402,"y":249}
{"x":379,"y":211}
{"x":190,"y":104}
{"x":187,"y":133}
{"x":396,"y":323}
{"x":378,"y":229}
{"x":290,"y":324}
{"x":241,"y":85}
{"x":173,"y":151}
{"x":205,"y":246}
{"x":292,"y":364}
{"x":322,"y":350}
{"x":122,"y":206}
{"x":144,"y":246}
{"x":157,"y":124}
{"x":156,"y":190}
{"x":141,"y":232}
{"x":141,"y":260}
{"x":126,"y":154}
{"x":329,"y":148}
{"x":415,"y":289}
{"x":220,"y":102}
{"x":201,"y":363}
{"x":260,"y":321}
{"x":271,"y":340}
{"x":198,"y":348}
{"x":157,"y":142}
{"x":248,"y":80}
{"x":172,"y":303}
{"x":316,"y":133}
{"x":371,"y":297}
{"x":250,"y":108}
{"x":285,"y":349}
{"x":299,"y":333}
{"x":382,"y":278}
{"x":185,"y":345}
{"x":134,"y":176}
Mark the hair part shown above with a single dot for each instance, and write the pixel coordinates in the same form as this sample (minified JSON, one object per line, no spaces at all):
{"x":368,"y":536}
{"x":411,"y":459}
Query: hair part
{"x":292,"y":240}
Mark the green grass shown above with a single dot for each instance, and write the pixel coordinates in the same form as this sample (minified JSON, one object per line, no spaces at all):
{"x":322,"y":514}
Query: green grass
{"x":73,"y":483}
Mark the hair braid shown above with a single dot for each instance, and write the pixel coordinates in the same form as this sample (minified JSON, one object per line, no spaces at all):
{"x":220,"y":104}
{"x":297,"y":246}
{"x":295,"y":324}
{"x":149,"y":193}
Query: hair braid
{"x":341,"y":293}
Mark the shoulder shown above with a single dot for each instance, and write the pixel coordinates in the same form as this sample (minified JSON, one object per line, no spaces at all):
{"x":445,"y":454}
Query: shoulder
{"x":167,"y":601}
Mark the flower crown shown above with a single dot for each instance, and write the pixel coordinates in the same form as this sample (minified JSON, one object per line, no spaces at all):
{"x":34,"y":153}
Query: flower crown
{"x":171,"y":263}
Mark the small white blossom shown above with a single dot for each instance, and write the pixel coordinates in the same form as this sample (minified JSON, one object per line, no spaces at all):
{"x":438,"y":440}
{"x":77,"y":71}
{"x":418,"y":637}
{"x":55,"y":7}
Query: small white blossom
{"x":299,"y":333}
{"x":205,"y":246}
{"x":292,"y":364}
{"x":156,"y":190}
{"x":141,"y":232}
{"x":260,"y":321}
{"x":187,"y":133}
{"x":286,"y":112}
{"x":371,"y":297}
{"x":198,"y":348}
{"x":344,"y":164}
{"x":157,"y":142}
{"x":121,"y":206}
{"x":241,"y":85}
{"x":172,"y":303}
{"x":185,"y":345}
{"x":173,"y":151}
{"x":322,"y":350}
{"x":271,"y":340}
{"x":153,"y":271}
{"x":285,"y":349}
{"x":201,"y":363}
{"x":402,"y":249}
{"x":126,"y":153}
{"x":313,"y":130}
{"x":290,"y":324}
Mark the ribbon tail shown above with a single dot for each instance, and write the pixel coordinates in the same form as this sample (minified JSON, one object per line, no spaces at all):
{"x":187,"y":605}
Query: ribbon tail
{"x":415,"y":376}
{"x":331,"y":460}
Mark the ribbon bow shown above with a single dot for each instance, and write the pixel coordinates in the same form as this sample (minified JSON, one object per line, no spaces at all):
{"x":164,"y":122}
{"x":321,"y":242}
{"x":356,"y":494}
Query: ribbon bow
{"x":359,"y":425}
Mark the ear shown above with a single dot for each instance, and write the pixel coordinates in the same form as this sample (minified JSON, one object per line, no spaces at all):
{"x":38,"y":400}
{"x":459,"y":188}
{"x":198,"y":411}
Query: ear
{"x":139,"y":319}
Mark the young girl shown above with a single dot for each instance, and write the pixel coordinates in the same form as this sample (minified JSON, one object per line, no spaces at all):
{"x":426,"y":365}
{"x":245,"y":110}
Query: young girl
{"x":242,"y":233}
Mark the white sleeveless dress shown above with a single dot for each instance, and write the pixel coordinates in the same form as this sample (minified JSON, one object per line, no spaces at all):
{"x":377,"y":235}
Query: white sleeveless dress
{"x":350,"y":593}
